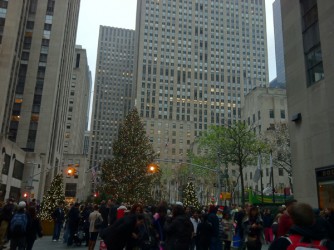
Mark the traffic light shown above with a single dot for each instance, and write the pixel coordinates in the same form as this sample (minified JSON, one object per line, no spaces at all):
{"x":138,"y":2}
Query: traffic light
{"x":96,"y":194}
{"x":25,"y":195}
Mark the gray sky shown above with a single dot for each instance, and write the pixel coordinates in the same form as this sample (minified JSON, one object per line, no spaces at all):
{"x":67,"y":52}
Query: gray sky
{"x":122,"y":14}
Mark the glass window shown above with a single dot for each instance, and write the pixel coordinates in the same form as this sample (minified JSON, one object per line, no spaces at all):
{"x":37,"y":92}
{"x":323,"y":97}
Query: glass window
{"x":271,"y":113}
{"x":18,"y":170}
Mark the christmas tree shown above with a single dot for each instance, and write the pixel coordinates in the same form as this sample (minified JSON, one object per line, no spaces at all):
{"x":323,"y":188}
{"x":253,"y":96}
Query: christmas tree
{"x":54,"y":196}
{"x":190,"y":198}
{"x":126,"y":176}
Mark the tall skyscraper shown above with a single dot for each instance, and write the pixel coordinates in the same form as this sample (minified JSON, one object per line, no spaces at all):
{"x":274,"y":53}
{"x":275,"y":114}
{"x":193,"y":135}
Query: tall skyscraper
{"x":308,"y":50}
{"x":38,"y":39}
{"x":113,"y":90}
{"x":195,"y":62}
{"x":279,"y":50}
{"x":78,"y":102}
{"x":76,"y":185}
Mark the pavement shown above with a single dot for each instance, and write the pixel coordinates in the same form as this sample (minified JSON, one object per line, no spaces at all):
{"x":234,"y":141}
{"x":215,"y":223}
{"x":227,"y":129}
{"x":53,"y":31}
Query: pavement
{"x":46,"y":243}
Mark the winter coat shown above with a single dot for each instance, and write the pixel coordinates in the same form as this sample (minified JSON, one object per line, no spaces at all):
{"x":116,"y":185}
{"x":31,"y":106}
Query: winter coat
{"x":309,"y":234}
{"x":228,"y":229}
{"x":178,"y":233}
{"x":117,"y":235}
{"x":92,"y":218}
{"x":213,"y":219}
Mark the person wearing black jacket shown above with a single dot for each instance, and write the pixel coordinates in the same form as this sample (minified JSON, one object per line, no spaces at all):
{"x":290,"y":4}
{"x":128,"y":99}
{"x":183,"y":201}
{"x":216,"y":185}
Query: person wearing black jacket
{"x":117,"y":235}
{"x":73,"y":222}
{"x":17,"y":234}
{"x":304,"y":227}
{"x":178,"y":230}
{"x":5,"y":218}
{"x":216,"y":242}
{"x":58,"y":218}
{"x":34,"y":228}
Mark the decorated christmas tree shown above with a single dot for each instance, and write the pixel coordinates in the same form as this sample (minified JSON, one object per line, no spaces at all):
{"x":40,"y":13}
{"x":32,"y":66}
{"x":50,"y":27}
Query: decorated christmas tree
{"x":54,"y":196}
{"x":127,"y":176}
{"x":190,"y":198}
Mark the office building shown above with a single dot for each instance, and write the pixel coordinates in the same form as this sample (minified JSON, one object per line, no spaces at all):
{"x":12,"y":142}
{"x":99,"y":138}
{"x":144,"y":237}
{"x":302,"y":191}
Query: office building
{"x":76,"y":185}
{"x":38,"y":39}
{"x":263,"y":109}
{"x":308,"y":51}
{"x":113,"y":90}
{"x":78,"y":104}
{"x":279,"y":51}
{"x":195,"y":61}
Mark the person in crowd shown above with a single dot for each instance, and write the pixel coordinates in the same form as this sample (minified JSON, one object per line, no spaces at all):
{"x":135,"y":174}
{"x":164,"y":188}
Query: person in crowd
{"x":5,"y":218}
{"x":253,"y":229}
{"x":285,"y":222}
{"x":239,"y":218}
{"x":216,"y":242}
{"x":302,"y":231}
{"x":219,"y":214}
{"x":112,"y":212}
{"x":85,"y":221}
{"x":58,"y":216}
{"x":73,"y":222}
{"x":228,"y":230}
{"x":104,"y":211}
{"x":117,"y":235}
{"x":34,"y":228}
{"x":18,"y":228}
{"x":274,"y":226}
{"x":195,"y":221}
{"x":267,"y":223}
{"x":135,"y":242}
{"x":159,"y":221}
{"x":204,"y":233}
{"x":93,"y":232}
{"x":178,"y":230}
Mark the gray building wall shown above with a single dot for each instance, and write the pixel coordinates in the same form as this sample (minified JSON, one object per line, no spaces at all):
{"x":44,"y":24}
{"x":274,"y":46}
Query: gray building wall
{"x":195,"y":61}
{"x":312,"y":136}
{"x":78,"y":102}
{"x":42,"y":74}
{"x":258,"y":105}
{"x":113,"y":90}
{"x":279,"y":50}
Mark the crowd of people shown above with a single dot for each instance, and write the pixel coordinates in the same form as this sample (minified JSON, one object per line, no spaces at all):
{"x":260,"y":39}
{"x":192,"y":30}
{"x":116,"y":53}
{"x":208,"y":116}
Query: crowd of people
{"x":20,"y":225}
{"x":175,"y":227}
{"x":171,"y":227}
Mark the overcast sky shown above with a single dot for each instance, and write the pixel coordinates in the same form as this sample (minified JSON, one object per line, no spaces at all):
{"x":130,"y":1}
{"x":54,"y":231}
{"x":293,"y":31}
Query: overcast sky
{"x":122,"y":14}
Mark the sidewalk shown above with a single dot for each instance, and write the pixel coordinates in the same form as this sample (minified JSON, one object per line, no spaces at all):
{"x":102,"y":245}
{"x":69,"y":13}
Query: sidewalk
{"x":46,"y":243}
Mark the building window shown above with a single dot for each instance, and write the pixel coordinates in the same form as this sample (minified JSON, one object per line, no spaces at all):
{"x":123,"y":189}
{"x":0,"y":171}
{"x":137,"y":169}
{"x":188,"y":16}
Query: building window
{"x":280,"y":172}
{"x":282,"y":114}
{"x":311,"y":41}
{"x":18,"y":170}
{"x":6,"y":164}
{"x":70,"y":189}
{"x":271,"y":113}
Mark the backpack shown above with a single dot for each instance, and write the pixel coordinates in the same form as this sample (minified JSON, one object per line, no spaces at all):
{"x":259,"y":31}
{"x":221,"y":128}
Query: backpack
{"x":98,"y":222}
{"x":298,"y":244}
{"x":18,"y":224}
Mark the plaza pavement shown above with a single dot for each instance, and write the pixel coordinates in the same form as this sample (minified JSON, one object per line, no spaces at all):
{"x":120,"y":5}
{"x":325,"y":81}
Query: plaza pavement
{"x":46,"y":243}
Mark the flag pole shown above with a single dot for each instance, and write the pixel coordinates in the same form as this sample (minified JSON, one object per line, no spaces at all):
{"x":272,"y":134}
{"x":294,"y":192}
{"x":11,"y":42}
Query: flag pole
{"x":259,"y":160}
{"x":272,"y":176}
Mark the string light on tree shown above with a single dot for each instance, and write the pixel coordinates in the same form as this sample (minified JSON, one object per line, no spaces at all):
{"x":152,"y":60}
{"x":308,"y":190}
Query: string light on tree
{"x":128,"y":176}
{"x":54,"y":196}
{"x":190,"y":198}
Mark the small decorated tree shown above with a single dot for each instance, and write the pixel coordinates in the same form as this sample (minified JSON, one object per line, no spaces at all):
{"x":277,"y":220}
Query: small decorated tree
{"x":190,"y":198}
{"x":54,"y":196}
